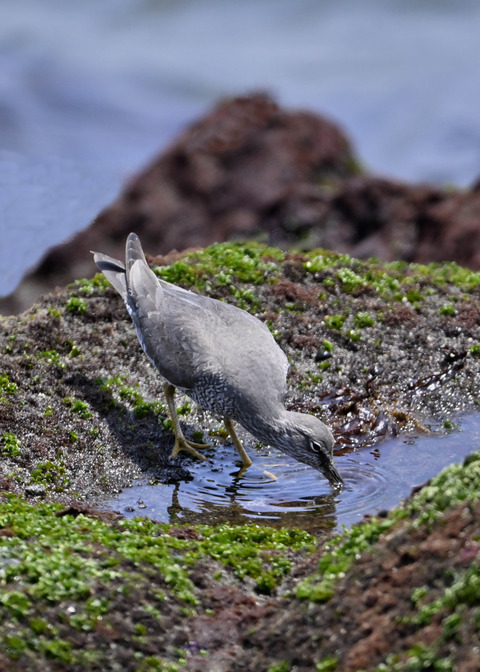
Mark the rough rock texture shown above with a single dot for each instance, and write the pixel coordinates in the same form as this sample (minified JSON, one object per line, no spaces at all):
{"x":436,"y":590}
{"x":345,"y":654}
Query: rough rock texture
{"x":373,"y":618}
{"x":250,"y":169}
{"x":225,"y":177}
{"x":375,"y":348}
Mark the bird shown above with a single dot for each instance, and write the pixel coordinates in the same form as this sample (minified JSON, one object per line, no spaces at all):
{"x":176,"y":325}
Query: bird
{"x":220,"y":356}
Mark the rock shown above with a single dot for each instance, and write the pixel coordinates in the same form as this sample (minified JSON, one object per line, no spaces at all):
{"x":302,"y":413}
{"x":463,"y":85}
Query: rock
{"x":225,"y":177}
{"x":250,"y":169}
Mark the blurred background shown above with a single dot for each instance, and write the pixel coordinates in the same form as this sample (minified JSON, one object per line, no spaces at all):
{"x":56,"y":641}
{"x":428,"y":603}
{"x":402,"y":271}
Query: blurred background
{"x":91,"y":91}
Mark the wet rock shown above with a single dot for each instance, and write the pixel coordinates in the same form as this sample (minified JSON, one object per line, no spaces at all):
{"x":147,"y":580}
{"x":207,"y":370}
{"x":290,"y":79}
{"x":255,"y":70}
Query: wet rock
{"x":396,"y":353}
{"x":35,"y":490}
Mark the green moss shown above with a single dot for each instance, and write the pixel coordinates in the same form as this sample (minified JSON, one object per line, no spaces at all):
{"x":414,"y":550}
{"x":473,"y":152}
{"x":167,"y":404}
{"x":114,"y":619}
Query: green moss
{"x":414,"y":296}
{"x":75,"y":351}
{"x":89,"y":286}
{"x":339,"y":555}
{"x":328,"y":664}
{"x":392,"y":281}
{"x":475,"y":350}
{"x":50,"y":473}
{"x":52,"y":562}
{"x":10,"y":445}
{"x":457,"y":484}
{"x":144,"y":408}
{"x":224,"y":265}
{"x":132,"y":394}
{"x":463,"y":590}
{"x":362,"y":320}
{"x":283,"y":666}
{"x":454,"y":485}
{"x":254,"y":551}
{"x":349,"y":280}
{"x":335,"y":321}
{"x":447,"y":309}
{"x":328,"y":345}
{"x":76,"y":305}
{"x":51,"y":357}
{"x":79,"y":407}
{"x":354,"y":335}
{"x":419,"y":657}
{"x":6,"y":386}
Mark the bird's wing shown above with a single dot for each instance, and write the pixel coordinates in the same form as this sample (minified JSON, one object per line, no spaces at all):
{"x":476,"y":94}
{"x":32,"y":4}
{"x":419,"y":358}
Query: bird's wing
{"x":187,"y":335}
{"x":169,"y":322}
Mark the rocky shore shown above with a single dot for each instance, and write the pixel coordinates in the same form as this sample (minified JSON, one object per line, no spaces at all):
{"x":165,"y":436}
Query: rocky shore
{"x":250,"y":170}
{"x":376,"y":348}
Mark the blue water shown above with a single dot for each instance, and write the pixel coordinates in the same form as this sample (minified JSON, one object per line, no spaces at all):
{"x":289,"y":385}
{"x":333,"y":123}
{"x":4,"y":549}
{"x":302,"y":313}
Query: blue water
{"x":279,"y":491}
{"x":90,"y":91}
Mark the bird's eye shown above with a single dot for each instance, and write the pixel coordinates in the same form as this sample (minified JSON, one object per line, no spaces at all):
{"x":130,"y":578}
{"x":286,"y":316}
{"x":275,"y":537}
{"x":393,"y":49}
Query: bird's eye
{"x":316,"y":447}
{"x":320,"y":451}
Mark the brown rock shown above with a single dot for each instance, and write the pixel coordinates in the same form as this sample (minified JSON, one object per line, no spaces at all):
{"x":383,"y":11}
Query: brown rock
{"x":250,"y":169}
{"x":224,"y":177}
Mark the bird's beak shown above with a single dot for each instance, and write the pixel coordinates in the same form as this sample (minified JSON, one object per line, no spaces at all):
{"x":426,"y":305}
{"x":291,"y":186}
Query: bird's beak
{"x":333,"y":476}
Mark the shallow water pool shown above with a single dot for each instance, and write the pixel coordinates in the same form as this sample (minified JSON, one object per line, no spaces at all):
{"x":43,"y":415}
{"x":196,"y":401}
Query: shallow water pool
{"x":279,"y":491}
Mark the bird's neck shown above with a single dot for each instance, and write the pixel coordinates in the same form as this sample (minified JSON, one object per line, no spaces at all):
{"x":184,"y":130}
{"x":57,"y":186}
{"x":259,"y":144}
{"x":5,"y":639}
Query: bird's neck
{"x":276,"y":430}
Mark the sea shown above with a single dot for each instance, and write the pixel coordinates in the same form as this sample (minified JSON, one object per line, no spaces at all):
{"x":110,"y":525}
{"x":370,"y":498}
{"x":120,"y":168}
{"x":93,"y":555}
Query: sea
{"x":91,"y":91}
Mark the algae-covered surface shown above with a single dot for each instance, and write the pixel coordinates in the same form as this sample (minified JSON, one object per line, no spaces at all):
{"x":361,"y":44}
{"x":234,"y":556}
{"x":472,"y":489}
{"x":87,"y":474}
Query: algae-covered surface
{"x":82,"y":591}
{"x":375,"y":350}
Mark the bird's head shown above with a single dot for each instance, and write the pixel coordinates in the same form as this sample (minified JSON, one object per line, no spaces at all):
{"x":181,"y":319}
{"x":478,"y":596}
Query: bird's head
{"x":311,"y":442}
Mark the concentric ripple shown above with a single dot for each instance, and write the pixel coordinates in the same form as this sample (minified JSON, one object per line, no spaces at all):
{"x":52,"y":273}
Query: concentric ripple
{"x":277,"y":490}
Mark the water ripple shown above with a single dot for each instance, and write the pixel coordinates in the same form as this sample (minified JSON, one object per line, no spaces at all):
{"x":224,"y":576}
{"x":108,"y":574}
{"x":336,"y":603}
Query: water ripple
{"x":278,"y":490}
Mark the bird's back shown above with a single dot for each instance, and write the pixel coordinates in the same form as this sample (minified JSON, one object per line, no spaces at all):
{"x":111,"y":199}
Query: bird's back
{"x":220,"y":355}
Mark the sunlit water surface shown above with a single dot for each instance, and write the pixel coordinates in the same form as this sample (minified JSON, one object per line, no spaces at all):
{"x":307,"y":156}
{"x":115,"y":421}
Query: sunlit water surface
{"x":279,"y":491}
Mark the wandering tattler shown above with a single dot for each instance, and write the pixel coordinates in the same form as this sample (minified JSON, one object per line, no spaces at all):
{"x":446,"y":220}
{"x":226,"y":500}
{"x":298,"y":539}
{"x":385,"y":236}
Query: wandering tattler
{"x":220,"y":356}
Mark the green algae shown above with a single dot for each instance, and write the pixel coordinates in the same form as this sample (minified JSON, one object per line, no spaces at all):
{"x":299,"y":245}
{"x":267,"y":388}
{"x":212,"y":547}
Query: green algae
{"x":419,"y":657}
{"x":76,"y":305}
{"x":363,"y":320}
{"x":7,"y":387}
{"x":10,"y":445}
{"x":78,"y":406}
{"x":457,"y":484}
{"x":51,"y":357}
{"x":224,"y":265}
{"x":340,"y":553}
{"x":62,"y":574}
{"x":328,"y":664}
{"x":132,"y":394}
{"x":394,"y":281}
{"x":87,"y":286}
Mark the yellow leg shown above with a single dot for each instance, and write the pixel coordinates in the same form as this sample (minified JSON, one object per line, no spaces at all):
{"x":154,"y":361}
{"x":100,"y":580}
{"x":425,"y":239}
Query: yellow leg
{"x":246,"y":461}
{"x":181,"y":443}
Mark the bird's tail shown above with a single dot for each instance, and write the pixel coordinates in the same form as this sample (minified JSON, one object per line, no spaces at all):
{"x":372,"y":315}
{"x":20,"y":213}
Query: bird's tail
{"x":134,"y":251}
{"x":132,"y":279}
{"x":114,"y":271}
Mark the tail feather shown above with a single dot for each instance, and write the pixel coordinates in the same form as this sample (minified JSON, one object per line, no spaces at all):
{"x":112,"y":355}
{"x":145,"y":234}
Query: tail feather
{"x":142,"y":284}
{"x":133,"y":279}
{"x":134,"y":251}
{"x":114,"y":271}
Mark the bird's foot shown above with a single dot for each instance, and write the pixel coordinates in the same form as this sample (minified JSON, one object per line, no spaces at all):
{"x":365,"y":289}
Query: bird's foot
{"x":181,"y":443}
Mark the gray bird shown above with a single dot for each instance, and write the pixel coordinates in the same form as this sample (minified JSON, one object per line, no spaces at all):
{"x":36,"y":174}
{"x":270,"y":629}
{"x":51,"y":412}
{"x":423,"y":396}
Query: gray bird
{"x":220,"y":356}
